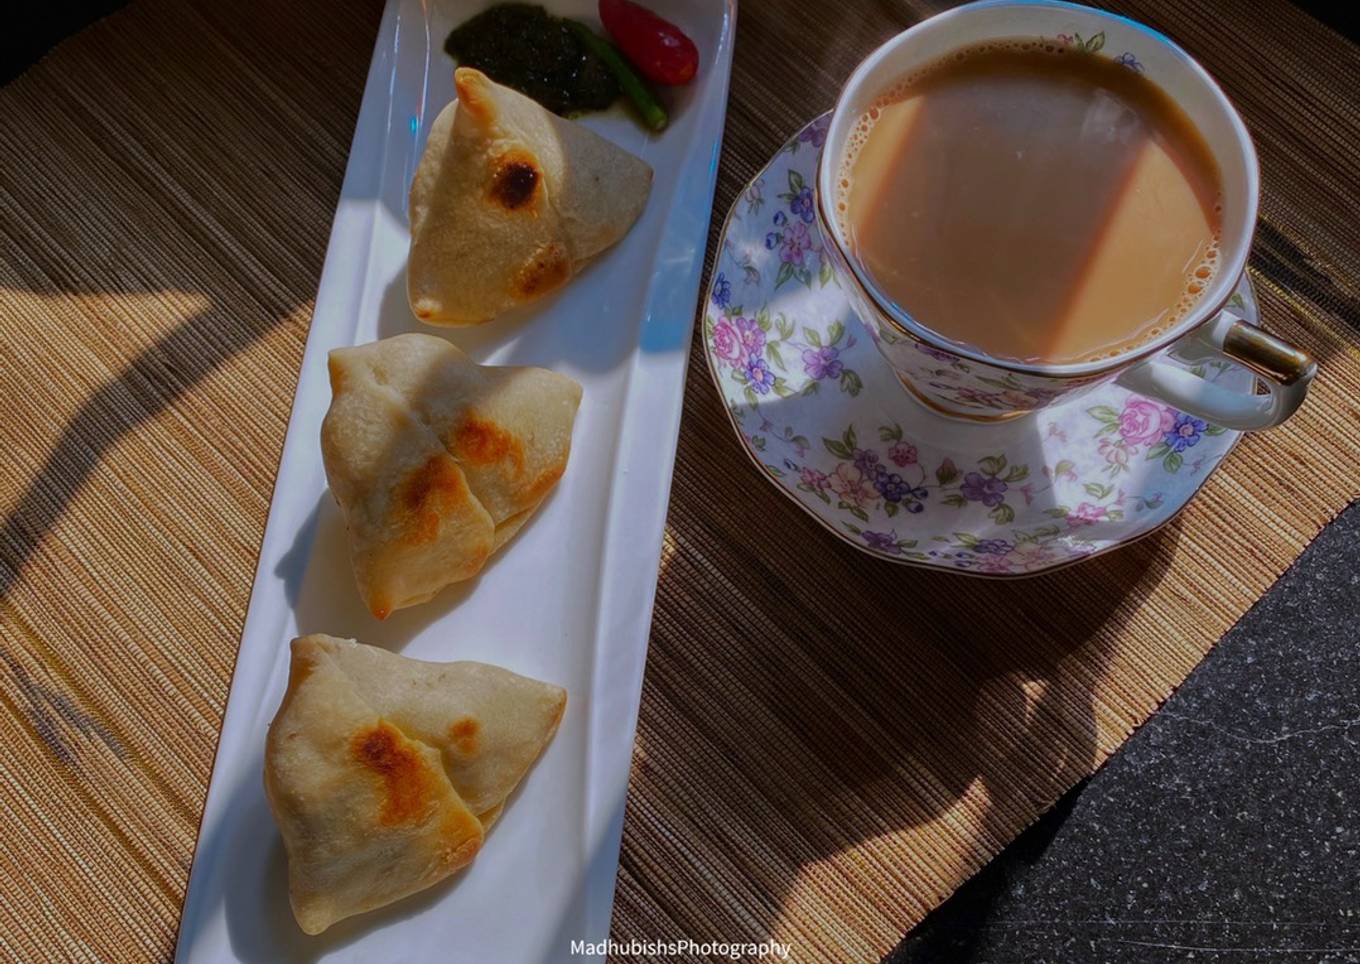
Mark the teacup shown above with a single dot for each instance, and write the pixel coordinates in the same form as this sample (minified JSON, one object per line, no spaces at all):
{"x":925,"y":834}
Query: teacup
{"x":960,"y":381}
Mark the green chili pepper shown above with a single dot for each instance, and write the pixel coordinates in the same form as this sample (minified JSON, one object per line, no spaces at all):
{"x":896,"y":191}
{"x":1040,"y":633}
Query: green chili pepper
{"x":648,"y":107}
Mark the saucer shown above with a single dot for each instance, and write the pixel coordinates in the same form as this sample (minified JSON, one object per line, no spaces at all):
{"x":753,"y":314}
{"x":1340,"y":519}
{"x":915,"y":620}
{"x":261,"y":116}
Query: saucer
{"x":821,"y":413}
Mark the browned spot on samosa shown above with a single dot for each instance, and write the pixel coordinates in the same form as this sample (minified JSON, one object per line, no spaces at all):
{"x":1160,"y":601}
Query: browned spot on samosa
{"x":432,"y":491}
{"x":549,"y":268}
{"x":463,"y":736}
{"x":410,"y":785}
{"x":514,"y":184}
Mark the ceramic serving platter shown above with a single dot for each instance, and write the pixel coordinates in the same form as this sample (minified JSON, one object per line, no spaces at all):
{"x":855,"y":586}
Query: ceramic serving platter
{"x":569,"y":601}
{"x":822,"y":415}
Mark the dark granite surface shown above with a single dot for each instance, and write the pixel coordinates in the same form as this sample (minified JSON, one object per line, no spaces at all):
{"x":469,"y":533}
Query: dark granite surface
{"x":1224,"y":830}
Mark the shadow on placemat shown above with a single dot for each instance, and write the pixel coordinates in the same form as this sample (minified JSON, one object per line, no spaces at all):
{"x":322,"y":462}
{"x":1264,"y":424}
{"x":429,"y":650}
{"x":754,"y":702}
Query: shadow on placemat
{"x":803,"y":730}
{"x":167,"y":183}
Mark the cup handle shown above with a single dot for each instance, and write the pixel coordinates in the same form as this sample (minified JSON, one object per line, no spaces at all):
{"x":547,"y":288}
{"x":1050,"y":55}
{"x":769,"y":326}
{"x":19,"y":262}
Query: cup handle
{"x":1283,"y":369}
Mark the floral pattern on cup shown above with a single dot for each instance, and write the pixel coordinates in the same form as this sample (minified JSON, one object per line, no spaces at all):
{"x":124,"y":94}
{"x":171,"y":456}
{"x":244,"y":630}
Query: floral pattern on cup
{"x":761,"y":351}
{"x":894,"y":480}
{"x":1145,"y":426}
{"x":821,"y":413}
{"x":1094,"y":44}
{"x":813,"y":134}
{"x":952,"y":381}
{"x":794,"y":236}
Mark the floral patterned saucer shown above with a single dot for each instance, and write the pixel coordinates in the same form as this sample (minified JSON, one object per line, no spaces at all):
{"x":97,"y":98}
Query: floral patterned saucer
{"x":820,"y":412}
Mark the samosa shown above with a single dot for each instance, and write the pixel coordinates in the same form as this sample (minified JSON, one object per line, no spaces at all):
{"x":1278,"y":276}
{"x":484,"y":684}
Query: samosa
{"x":437,"y":461}
{"x":384,"y":772}
{"x":509,"y":202}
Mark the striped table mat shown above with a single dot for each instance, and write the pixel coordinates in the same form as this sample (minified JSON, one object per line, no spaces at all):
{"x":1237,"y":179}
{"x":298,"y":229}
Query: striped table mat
{"x":828,"y":745}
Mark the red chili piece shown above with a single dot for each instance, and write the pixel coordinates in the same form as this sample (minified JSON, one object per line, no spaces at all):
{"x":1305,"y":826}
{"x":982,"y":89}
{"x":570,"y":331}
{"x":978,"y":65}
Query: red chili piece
{"x":657,"y":48}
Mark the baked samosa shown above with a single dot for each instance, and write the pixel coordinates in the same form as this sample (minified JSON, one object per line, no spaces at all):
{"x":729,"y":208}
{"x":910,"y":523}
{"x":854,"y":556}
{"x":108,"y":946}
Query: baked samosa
{"x":384,"y":773}
{"x":509,"y":201}
{"x":437,"y":461}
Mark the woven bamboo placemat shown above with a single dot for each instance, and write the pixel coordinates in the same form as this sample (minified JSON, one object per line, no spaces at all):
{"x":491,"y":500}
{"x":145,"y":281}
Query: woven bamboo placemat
{"x":828,"y":745}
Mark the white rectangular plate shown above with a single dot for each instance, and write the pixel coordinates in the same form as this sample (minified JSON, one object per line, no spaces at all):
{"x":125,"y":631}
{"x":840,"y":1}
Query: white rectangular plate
{"x":568,"y":601}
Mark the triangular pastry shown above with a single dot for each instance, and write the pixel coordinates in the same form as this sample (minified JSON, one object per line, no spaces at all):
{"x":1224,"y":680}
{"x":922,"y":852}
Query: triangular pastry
{"x":509,"y":201}
{"x":437,"y":461}
{"x":385,"y":772}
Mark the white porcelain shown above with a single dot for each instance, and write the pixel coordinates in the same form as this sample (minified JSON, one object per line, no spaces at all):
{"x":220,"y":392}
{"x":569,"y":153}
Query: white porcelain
{"x":1211,"y":330}
{"x":822,"y":415}
{"x":569,"y":600}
